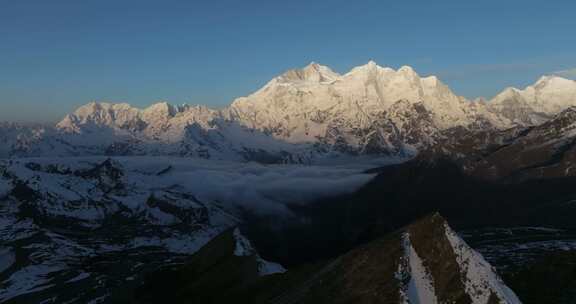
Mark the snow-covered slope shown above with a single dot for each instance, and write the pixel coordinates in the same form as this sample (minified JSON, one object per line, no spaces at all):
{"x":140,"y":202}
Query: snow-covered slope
{"x":88,"y":225}
{"x":243,"y":247}
{"x":481,"y":283}
{"x":65,"y":220}
{"x":439,"y":267}
{"x":479,"y":277}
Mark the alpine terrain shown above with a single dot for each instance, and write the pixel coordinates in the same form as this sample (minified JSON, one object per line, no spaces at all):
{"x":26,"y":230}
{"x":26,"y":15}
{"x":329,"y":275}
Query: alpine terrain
{"x":318,"y":187}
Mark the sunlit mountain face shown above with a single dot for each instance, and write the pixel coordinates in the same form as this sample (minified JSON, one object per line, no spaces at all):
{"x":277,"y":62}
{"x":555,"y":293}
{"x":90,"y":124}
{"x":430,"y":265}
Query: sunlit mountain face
{"x":373,"y":186}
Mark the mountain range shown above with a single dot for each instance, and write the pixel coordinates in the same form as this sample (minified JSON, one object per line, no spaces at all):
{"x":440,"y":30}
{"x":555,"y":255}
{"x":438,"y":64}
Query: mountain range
{"x":301,"y":116}
{"x":319,"y":172}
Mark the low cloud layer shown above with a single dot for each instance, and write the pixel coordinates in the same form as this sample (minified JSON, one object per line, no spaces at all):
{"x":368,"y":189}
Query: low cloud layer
{"x":259,"y":188}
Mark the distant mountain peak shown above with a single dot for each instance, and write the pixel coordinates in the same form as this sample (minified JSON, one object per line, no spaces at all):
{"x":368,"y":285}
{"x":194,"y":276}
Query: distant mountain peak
{"x":313,"y":65}
{"x":369,"y":67}
{"x":161,"y":109}
{"x":534,"y":104}
{"x":406,"y":69}
{"x":545,"y":79}
{"x":313,"y":72}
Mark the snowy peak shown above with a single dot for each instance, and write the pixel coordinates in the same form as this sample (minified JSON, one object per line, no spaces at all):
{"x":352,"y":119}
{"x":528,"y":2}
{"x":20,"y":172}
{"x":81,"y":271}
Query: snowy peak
{"x":96,"y":114}
{"x":408,"y":70}
{"x":369,"y":71}
{"x":313,"y":72}
{"x":372,"y":67}
{"x":536,"y":103}
{"x":157,"y":117}
{"x":369,"y":66}
{"x":299,"y":110}
{"x":161,"y":109}
{"x":554,"y":81}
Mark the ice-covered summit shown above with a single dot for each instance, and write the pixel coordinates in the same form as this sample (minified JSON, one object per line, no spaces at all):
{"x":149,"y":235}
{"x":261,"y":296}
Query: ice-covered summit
{"x":313,"y":72}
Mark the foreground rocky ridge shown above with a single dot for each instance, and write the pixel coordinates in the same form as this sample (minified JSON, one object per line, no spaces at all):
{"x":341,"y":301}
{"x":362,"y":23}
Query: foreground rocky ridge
{"x":300,"y":116}
{"x":425,"y":262}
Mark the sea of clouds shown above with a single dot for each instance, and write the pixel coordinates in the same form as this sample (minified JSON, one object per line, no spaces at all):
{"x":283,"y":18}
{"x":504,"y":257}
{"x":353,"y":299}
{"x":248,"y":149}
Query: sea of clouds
{"x":263,"y":189}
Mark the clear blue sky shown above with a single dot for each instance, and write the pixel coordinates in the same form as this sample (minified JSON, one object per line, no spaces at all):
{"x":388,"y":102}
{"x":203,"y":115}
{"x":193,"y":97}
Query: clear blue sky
{"x":56,"y":55}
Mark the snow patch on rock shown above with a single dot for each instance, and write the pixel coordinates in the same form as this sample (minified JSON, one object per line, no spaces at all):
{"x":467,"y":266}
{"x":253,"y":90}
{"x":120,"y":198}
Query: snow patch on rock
{"x":478,"y":276}
{"x":420,"y":287}
{"x":243,"y":247}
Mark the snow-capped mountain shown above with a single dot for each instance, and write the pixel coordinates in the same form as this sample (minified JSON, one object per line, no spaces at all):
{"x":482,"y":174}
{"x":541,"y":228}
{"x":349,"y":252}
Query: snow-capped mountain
{"x":161,"y":121}
{"x":299,"y":116}
{"x":366,"y":105}
{"x":161,"y":129}
{"x":301,"y":109}
{"x":536,"y":103}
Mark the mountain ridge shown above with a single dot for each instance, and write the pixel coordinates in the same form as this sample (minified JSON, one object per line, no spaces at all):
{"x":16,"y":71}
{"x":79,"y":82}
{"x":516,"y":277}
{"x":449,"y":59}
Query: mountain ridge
{"x":426,"y":262}
{"x":302,"y":114}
